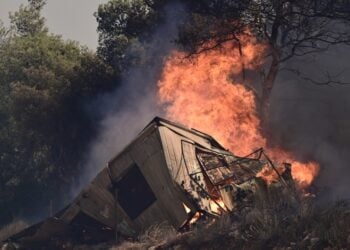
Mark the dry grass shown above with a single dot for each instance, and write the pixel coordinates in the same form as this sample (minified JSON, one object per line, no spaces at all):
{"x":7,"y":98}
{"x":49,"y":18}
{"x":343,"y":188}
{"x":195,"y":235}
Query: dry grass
{"x":12,"y":228}
{"x":280,"y":219}
{"x":155,"y":236}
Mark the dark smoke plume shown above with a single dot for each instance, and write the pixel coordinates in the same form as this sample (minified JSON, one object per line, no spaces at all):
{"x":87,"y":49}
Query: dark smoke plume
{"x":127,"y":110}
{"x":314,"y":120}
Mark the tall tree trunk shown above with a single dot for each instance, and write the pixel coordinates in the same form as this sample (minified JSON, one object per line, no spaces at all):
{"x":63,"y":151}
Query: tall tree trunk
{"x":268,"y":82}
{"x":267,"y":86}
{"x":270,"y":78}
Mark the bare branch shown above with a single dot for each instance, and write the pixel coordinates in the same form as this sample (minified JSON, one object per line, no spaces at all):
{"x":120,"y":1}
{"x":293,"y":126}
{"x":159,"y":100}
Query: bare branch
{"x":329,"y":78}
{"x":290,"y":28}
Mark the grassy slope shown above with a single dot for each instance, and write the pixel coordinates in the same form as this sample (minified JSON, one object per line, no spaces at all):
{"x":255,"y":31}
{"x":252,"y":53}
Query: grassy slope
{"x":279,"y":219}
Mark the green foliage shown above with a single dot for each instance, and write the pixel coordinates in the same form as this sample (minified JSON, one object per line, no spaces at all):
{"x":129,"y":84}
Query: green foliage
{"x":44,"y":130}
{"x":121,"y":23}
{"x":3,"y":33}
{"x":44,"y":83}
{"x":27,"y":20}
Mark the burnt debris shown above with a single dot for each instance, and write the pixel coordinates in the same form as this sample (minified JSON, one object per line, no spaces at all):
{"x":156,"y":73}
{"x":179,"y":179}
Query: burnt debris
{"x":167,"y":173}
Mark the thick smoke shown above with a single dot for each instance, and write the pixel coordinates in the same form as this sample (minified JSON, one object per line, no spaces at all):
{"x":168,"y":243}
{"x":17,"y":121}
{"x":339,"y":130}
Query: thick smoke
{"x":314,"y":121}
{"x":127,"y":110}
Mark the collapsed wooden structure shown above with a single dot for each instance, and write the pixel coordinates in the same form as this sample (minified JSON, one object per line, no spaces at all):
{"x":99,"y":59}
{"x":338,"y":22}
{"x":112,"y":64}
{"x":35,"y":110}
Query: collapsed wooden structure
{"x":167,"y":173}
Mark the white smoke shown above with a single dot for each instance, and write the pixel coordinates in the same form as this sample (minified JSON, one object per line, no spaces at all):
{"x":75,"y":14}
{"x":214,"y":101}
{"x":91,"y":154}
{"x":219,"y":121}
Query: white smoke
{"x":133,"y":104}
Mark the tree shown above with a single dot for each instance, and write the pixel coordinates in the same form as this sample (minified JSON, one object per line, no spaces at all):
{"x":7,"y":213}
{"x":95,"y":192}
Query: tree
{"x":28,"y":20}
{"x":289,"y":28}
{"x":44,"y":132}
{"x":121,"y":23}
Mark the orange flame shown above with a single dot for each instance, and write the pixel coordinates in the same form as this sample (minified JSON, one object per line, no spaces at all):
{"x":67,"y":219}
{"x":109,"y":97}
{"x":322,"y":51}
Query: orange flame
{"x":305,"y":172}
{"x":195,"y":217}
{"x":217,"y":206}
{"x":202,"y":94}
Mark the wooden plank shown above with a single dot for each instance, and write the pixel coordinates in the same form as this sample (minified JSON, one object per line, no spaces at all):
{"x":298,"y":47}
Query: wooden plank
{"x":99,"y":204}
{"x":145,"y":148}
{"x":144,"y":154}
{"x":103,"y":179}
{"x":159,"y":179}
{"x":148,"y":155}
{"x":196,"y":185}
{"x":173,"y":150}
{"x":47,"y":229}
{"x":198,"y":138}
{"x":50,"y":227}
{"x":152,"y":215}
{"x":173,"y":153}
{"x":120,"y":165}
{"x":70,"y":213}
{"x":124,"y":224}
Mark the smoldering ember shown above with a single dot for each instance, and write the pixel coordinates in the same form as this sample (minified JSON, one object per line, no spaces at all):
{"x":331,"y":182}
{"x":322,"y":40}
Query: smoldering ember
{"x":168,"y":173}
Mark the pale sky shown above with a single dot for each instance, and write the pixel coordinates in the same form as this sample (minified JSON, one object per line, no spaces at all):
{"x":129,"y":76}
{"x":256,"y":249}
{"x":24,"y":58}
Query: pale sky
{"x":73,"y":19}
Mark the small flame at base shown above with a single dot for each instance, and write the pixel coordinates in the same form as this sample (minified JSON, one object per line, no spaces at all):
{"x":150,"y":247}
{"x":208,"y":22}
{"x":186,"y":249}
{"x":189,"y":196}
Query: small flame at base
{"x":304,"y":173}
{"x":195,"y":217}
{"x":217,"y":206}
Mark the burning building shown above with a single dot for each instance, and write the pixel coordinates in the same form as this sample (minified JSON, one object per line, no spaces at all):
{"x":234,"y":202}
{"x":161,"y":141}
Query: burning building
{"x":167,"y":173}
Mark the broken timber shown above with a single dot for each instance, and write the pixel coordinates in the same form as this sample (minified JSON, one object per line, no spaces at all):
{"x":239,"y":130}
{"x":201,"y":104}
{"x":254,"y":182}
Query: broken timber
{"x":167,"y":173}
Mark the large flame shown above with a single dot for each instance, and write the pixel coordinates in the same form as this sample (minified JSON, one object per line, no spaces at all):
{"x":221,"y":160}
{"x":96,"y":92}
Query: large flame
{"x":202,"y":93}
